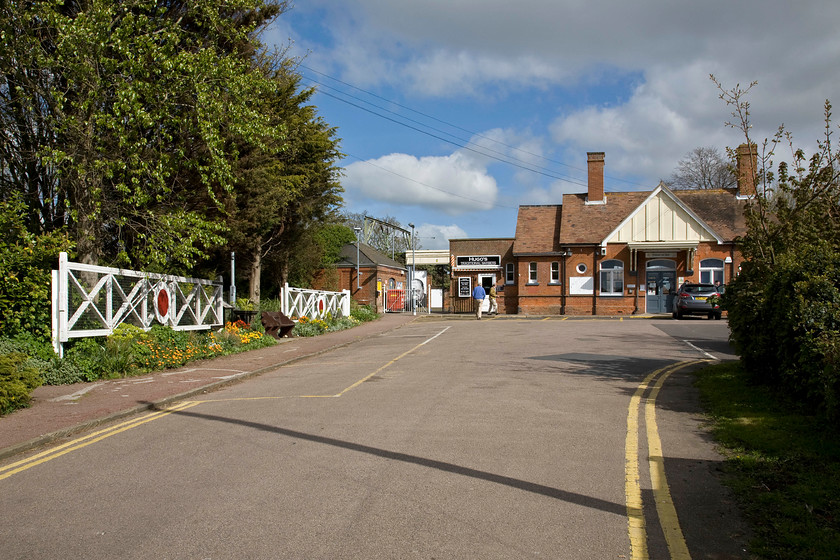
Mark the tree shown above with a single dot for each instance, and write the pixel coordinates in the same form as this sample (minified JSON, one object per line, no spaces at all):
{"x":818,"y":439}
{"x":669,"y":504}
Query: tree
{"x":118,"y":116}
{"x":703,"y":168}
{"x":285,"y":190}
{"x":784,"y":306}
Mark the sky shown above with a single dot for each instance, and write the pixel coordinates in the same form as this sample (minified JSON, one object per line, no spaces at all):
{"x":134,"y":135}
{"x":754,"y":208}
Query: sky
{"x":453,"y":113}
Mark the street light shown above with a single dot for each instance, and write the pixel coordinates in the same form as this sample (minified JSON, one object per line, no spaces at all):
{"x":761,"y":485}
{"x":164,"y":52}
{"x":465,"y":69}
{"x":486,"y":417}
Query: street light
{"x":413,"y":265}
{"x":357,"y":230}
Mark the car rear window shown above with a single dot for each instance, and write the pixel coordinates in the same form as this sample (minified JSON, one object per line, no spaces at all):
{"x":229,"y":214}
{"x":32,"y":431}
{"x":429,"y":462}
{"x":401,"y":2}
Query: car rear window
{"x":700,"y":289}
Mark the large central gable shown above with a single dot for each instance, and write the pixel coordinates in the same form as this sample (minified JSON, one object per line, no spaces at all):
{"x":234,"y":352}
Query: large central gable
{"x":662,"y":218}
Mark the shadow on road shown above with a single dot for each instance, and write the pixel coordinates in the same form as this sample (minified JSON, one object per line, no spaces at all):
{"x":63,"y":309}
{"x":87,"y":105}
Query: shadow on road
{"x":556,"y":493}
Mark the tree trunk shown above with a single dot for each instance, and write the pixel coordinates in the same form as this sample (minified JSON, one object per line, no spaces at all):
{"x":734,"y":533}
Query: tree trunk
{"x":256,"y":271}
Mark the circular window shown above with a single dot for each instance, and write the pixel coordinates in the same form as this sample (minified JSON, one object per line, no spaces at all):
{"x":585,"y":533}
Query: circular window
{"x":581,"y":268}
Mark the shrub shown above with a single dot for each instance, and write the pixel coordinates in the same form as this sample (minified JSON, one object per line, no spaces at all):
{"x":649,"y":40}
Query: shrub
{"x":363,"y":313}
{"x":17,"y":381}
{"x":25,"y":263}
{"x":786,"y":325}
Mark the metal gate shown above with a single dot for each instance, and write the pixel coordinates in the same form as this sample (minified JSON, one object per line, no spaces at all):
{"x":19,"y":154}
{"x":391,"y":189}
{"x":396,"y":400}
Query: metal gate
{"x":396,"y":301}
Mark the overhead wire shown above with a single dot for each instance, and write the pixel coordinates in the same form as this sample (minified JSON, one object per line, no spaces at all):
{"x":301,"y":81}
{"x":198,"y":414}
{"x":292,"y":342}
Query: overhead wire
{"x":546,"y":172}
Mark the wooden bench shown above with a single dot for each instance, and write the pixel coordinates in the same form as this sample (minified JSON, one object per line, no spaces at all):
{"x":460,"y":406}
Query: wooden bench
{"x":276,"y":324}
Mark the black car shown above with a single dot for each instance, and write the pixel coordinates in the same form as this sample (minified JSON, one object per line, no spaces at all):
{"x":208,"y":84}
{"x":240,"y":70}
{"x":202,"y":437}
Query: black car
{"x":697,"y":299}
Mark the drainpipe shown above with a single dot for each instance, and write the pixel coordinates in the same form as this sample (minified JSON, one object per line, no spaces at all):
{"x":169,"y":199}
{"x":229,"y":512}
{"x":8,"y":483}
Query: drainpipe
{"x":595,"y":280}
{"x":565,"y":280}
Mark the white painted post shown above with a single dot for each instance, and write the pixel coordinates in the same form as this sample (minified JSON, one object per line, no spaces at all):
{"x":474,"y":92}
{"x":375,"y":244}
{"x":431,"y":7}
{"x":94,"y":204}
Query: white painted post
{"x":57,"y":346}
{"x":345,"y":303}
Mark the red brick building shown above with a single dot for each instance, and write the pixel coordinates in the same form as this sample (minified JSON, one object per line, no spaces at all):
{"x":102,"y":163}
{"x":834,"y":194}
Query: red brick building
{"x":376,"y":272}
{"x":617,"y":253}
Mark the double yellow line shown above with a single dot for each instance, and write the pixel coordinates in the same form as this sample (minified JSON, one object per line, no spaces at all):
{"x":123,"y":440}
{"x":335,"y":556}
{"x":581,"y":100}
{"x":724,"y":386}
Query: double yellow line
{"x":665,"y":509}
{"x":55,"y":452}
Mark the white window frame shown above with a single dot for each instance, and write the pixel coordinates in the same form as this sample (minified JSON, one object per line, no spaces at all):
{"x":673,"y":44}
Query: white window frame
{"x":555,"y":272}
{"x":532,"y":273}
{"x":509,"y":273}
{"x":713,"y":269}
{"x":612,"y":278}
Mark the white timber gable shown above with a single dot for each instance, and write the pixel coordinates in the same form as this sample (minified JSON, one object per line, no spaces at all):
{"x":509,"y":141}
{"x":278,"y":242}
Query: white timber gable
{"x":662,"y":219}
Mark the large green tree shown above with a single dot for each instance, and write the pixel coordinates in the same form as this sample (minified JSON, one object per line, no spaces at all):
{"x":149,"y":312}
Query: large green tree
{"x":287,"y":189}
{"x":118,"y":119}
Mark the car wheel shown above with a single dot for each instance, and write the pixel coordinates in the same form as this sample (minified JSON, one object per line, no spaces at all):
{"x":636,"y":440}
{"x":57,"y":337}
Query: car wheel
{"x":678,"y":314}
{"x":717,"y":316}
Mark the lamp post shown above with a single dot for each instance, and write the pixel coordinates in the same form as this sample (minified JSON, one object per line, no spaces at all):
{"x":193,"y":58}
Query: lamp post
{"x":413,"y":265}
{"x":357,"y":230}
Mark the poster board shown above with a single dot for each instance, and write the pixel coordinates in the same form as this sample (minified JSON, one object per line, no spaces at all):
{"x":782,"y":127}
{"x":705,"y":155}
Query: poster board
{"x":464,"y":286}
{"x":581,"y":286}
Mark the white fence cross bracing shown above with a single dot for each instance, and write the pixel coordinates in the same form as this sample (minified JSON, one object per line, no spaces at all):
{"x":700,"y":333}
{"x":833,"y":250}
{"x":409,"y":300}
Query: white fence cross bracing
{"x":89,"y":300}
{"x":298,"y":302}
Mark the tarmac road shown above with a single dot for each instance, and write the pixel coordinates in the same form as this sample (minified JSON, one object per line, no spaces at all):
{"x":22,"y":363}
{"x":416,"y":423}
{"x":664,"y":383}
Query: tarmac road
{"x":446,"y":438}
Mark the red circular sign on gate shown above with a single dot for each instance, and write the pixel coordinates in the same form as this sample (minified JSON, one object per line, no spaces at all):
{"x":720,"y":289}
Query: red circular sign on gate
{"x":162,"y":302}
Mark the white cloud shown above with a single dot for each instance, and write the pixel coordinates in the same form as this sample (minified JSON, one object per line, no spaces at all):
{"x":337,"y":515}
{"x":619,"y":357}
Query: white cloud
{"x":432,"y":236}
{"x":450,"y":184}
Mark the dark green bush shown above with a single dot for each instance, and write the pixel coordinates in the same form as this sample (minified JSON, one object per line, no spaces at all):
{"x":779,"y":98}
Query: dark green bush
{"x":17,"y":381}
{"x":25,"y":263}
{"x":786,"y":325}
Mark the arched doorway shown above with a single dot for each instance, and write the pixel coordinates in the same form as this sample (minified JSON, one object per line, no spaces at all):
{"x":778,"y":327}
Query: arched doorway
{"x":660,"y":285}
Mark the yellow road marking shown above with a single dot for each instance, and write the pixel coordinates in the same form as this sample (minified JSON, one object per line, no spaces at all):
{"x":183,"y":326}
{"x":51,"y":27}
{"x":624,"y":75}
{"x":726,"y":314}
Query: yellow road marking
{"x":79,"y":443}
{"x":633,"y":493}
{"x":665,"y":509}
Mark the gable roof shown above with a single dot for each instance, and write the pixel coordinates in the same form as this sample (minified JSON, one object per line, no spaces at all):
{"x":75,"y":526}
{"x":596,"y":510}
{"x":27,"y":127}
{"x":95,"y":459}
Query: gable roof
{"x":368,"y":257}
{"x":662,"y":218}
{"x":537,"y":230}
{"x":713,"y":215}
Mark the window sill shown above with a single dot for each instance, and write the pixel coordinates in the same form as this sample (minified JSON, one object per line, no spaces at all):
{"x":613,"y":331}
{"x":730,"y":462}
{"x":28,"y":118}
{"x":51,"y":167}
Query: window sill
{"x":555,"y":283}
{"x":604,"y":294}
{"x":532,"y":284}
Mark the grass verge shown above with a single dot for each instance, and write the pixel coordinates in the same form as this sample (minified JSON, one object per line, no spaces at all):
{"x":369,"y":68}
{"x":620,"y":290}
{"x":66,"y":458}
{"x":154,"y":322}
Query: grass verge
{"x":782,"y":462}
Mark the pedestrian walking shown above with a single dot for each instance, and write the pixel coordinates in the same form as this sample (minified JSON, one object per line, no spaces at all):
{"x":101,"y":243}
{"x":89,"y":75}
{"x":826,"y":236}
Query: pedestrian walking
{"x":492,"y":296}
{"x":478,"y":296}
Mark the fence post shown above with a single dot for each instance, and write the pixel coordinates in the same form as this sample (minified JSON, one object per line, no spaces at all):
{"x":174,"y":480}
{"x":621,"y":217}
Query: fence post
{"x":345,"y":303}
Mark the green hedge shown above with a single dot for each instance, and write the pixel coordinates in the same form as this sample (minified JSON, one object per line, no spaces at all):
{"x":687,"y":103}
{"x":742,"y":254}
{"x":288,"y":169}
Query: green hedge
{"x":786,"y":325}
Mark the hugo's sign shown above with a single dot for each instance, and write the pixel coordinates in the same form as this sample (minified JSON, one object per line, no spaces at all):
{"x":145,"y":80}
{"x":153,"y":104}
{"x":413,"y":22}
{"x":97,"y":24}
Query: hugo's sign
{"x":479,"y":260}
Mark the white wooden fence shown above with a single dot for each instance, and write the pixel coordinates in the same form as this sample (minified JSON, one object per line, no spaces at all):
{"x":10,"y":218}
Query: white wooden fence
{"x":298,"y":302}
{"x":90,"y":300}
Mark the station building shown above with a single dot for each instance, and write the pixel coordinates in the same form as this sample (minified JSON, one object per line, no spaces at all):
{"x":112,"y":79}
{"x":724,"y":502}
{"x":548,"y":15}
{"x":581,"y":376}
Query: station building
{"x":617,"y":253}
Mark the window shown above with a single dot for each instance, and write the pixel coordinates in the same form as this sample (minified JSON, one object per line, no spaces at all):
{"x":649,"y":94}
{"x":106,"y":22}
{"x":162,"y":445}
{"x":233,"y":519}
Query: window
{"x":581,"y":268}
{"x":711,"y":271}
{"x":532,"y":273}
{"x":509,"y":273}
{"x":391,"y":284}
{"x":612,"y":277}
{"x":555,"y":272}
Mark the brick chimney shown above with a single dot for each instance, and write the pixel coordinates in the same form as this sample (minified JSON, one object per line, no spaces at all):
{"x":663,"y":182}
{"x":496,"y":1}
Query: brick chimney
{"x":746,"y":160}
{"x":595,"y":173}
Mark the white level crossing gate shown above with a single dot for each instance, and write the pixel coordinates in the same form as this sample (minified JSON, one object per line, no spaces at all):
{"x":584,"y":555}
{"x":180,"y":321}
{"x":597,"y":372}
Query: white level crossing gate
{"x":89,"y":300}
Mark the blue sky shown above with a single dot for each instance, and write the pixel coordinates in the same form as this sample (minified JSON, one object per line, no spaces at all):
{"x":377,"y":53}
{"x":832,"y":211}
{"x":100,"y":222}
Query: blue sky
{"x":453,"y":113}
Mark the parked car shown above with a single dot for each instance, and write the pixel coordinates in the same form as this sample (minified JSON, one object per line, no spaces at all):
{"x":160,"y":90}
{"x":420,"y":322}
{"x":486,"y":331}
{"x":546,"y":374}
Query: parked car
{"x":697,"y":299}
